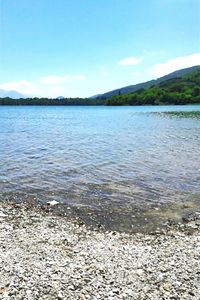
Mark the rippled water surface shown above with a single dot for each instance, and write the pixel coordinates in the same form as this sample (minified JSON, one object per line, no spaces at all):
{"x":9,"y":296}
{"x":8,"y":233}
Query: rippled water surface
{"x":101,"y":158}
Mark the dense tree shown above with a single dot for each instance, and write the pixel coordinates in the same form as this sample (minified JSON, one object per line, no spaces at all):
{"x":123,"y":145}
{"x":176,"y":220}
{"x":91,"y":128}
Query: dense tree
{"x":184,"y":90}
{"x":47,"y":101}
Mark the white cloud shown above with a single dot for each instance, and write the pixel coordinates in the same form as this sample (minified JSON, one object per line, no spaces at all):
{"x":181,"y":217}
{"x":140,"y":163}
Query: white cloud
{"x":54,"y":79}
{"x":21,"y":86}
{"x":49,"y":86}
{"x":130,"y":61}
{"x":16,"y":84}
{"x":172,"y":65}
{"x":35,"y":89}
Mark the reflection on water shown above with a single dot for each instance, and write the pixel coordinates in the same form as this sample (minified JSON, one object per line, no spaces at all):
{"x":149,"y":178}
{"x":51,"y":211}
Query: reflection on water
{"x":100,"y":158}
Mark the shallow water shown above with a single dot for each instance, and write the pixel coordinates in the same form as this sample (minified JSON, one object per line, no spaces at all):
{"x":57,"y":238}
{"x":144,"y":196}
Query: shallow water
{"x":101,"y":159}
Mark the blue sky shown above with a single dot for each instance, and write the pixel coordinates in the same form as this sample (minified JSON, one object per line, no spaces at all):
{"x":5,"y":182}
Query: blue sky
{"x":85,"y":47}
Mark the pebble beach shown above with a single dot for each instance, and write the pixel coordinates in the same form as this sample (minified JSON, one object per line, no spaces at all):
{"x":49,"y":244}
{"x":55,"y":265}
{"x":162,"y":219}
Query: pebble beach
{"x":47,"y":257}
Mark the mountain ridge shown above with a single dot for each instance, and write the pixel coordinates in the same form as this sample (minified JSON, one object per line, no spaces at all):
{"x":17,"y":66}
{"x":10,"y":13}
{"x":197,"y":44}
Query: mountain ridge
{"x":12,"y":94}
{"x":147,"y":84}
{"x":180,"y":90}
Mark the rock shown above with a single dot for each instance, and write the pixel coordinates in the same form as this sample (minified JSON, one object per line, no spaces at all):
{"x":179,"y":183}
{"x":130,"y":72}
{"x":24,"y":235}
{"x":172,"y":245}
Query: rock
{"x":82,"y":297}
{"x":191,"y":217}
{"x":116,"y":291}
{"x":139,"y":272}
{"x":52,"y":203}
{"x":2,"y":215}
{"x":167,"y":286}
{"x":191,"y":293}
{"x":60,"y":296}
{"x":3,"y":290}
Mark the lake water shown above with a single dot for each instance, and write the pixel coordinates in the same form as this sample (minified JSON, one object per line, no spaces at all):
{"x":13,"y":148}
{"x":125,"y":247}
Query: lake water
{"x":111,"y":162}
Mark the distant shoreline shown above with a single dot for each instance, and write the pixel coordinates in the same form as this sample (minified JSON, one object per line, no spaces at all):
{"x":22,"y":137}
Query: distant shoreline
{"x":178,"y":88}
{"x":100,"y":105}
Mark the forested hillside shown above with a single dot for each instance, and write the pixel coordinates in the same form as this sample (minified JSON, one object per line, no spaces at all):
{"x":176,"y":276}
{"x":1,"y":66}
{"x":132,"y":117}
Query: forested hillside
{"x":184,"y":90}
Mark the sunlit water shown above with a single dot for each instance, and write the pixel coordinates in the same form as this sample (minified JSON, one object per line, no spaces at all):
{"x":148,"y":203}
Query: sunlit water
{"x":100,"y":158}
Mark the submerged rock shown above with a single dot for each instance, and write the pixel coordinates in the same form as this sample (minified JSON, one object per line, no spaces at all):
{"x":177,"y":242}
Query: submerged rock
{"x":192,"y":216}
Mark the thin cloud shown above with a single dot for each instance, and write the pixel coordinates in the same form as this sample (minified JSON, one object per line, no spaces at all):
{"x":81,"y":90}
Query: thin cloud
{"x":21,"y":86}
{"x":130,"y":61}
{"x":172,"y":65}
{"x":80,"y":77}
{"x":104,"y":74}
{"x":49,"y":86}
{"x":16,"y":84}
{"x":54,"y":79}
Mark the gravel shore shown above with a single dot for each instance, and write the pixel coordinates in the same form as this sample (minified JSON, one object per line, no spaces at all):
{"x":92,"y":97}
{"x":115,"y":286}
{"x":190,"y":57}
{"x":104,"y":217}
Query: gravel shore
{"x":43,"y":256}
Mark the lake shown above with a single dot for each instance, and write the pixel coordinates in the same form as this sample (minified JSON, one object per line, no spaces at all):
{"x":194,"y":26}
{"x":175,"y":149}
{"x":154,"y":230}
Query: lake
{"x":120,"y":167}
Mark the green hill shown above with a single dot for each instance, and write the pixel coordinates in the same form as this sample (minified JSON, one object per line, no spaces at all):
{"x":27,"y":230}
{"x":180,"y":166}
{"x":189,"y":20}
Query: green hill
{"x":147,"y":84}
{"x":179,"y":90}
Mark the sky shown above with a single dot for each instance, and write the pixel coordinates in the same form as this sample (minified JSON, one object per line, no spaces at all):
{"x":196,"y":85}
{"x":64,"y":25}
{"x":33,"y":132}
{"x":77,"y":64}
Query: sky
{"x":80,"y":48}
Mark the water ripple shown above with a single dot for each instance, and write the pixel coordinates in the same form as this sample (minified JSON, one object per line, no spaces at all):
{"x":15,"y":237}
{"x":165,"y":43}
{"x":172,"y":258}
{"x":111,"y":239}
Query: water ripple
{"x":99,"y":156}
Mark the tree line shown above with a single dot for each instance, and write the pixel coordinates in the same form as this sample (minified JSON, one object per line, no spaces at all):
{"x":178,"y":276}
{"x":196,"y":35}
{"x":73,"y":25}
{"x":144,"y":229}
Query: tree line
{"x":47,"y":101}
{"x":183,"y":90}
